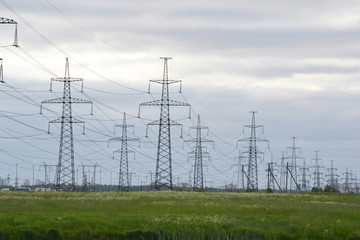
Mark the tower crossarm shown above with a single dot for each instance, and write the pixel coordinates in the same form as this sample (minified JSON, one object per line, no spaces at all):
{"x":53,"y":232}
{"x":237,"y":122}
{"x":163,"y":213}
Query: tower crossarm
{"x":253,"y":126}
{"x":165,"y":103}
{"x":251,"y":139}
{"x":166,"y":81}
{"x":123,"y":139}
{"x":204,"y":154}
{"x":172,"y":122}
{"x":119,"y":152}
{"x":67,"y":79}
{"x":202,"y":141}
{"x":62,"y":100}
{"x":168,"y":103}
{"x":7,"y":21}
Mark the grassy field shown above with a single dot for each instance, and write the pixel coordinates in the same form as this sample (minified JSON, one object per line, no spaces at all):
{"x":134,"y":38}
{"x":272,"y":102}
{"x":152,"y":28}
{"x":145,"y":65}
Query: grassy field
{"x":178,"y":215}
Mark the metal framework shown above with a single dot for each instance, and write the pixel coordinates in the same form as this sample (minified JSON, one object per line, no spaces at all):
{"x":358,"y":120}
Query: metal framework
{"x":304,"y":182}
{"x":253,"y":153}
{"x":86,"y":177}
{"x":10,"y":21}
{"x":332,"y":177}
{"x":282,"y":170}
{"x":317,"y":174}
{"x":47,"y":169}
{"x":198,"y":154}
{"x":293,"y":164}
{"x":124,"y":178}
{"x":347,"y":178}
{"x":239,"y":173}
{"x":65,"y":172}
{"x":163,"y":174}
{"x":7,"y":21}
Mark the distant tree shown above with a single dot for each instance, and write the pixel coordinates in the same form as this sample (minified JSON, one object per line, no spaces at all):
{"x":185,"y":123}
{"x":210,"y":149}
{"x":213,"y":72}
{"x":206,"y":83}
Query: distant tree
{"x":329,"y":188}
{"x":315,"y":189}
{"x":269,"y":190}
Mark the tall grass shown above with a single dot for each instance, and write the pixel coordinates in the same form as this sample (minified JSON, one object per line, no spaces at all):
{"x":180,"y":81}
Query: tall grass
{"x":178,"y":215}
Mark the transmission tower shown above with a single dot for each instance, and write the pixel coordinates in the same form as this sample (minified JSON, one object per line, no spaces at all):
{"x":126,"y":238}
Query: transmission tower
{"x":7,"y":21}
{"x":332,"y":177}
{"x":198,"y":153}
{"x":16,"y":177}
{"x":87,"y":175}
{"x":253,"y":153}
{"x":317,"y":173}
{"x":239,"y":173}
{"x":8,"y":180}
{"x":282,"y":170}
{"x":47,"y":169}
{"x":163,"y":174}
{"x":65,"y":172}
{"x":293,"y":164}
{"x":124,"y":180}
{"x":355,"y":184}
{"x":347,"y":181}
{"x":271,"y":175}
{"x":304,"y":176}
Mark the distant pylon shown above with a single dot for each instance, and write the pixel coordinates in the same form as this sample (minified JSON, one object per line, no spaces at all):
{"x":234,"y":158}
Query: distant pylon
{"x":271,"y":172}
{"x":347,"y":178}
{"x":47,"y":169}
{"x":163,"y":174}
{"x":253,"y":154}
{"x":65,"y":172}
{"x":10,"y":21}
{"x":16,"y":177}
{"x":124,"y":178}
{"x":282,"y":170}
{"x":332,"y":176}
{"x":198,"y":154}
{"x":293,"y":164}
{"x":304,"y":179}
{"x":239,"y":173}
{"x":317,"y":174}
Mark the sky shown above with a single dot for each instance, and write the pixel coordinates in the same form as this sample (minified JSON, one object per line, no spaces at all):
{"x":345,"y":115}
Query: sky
{"x":294,"y":62}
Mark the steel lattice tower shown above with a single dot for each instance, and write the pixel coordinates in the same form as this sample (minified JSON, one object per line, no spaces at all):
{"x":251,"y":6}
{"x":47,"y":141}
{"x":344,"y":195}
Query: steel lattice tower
{"x":124,"y":178}
{"x":347,"y":181}
{"x":304,"y":175}
{"x":198,"y":154}
{"x":239,"y":172}
{"x":332,"y":176}
{"x":282,"y":170}
{"x":271,"y":175}
{"x":253,"y":153}
{"x":293,"y":164}
{"x":65,"y":172}
{"x":7,"y":21}
{"x":163,"y":174}
{"x":317,"y":173}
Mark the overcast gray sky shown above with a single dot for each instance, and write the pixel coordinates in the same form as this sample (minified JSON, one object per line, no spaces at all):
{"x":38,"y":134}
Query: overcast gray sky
{"x":295,"y":62}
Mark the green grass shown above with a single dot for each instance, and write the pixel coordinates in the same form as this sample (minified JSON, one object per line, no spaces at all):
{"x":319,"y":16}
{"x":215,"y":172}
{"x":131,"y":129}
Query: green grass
{"x":178,"y":215}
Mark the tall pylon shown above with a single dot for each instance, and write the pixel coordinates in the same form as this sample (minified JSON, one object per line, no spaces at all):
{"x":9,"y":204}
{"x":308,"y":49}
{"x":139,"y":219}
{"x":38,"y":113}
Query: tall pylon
{"x":317,"y":174}
{"x":65,"y":172}
{"x":293,"y":164}
{"x":253,"y":153}
{"x":163,"y":173}
{"x":304,"y":178}
{"x":7,"y":21}
{"x":124,"y":178}
{"x":282,"y":170}
{"x":332,"y":177}
{"x":239,"y":171}
{"x":347,"y":184}
{"x":198,"y":154}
